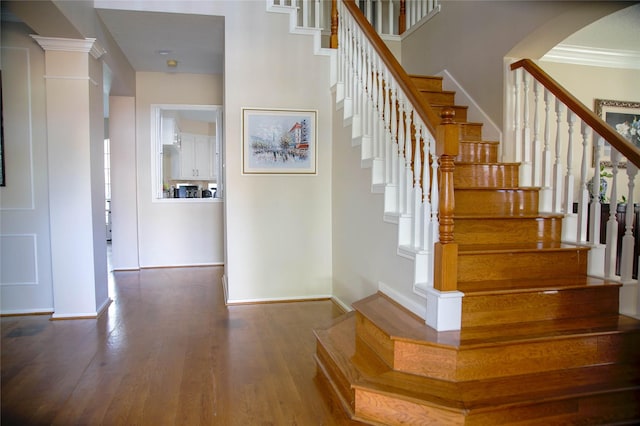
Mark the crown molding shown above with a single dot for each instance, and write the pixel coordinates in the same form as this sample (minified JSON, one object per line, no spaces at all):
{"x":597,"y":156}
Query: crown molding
{"x":593,"y":56}
{"x":87,"y":45}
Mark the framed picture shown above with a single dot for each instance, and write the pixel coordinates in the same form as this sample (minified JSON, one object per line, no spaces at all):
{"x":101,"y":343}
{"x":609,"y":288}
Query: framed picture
{"x":624,"y":117}
{"x":279,"y":141}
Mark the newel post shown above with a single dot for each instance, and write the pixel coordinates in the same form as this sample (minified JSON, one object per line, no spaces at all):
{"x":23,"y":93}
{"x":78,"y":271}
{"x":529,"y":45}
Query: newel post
{"x":446,"y":250}
{"x":333,"y":39}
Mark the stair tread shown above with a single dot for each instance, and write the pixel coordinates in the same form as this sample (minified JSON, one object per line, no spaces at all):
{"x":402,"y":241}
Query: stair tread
{"x":506,"y":188}
{"x":518,"y":247}
{"x":514,"y":390}
{"x":480,"y":216}
{"x":400,"y":324}
{"x":477,"y":163}
{"x":369,"y":373}
{"x":534,"y":285}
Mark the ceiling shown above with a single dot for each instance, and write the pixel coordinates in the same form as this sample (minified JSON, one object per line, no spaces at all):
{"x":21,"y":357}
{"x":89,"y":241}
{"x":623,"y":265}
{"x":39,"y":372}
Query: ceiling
{"x":149,"y":39}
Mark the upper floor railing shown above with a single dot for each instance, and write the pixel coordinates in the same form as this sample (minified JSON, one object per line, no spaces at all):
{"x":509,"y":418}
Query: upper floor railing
{"x":388,"y":17}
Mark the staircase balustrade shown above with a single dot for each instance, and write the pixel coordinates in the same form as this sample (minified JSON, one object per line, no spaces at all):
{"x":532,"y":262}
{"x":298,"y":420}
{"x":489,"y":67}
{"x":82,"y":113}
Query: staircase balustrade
{"x":388,"y":17}
{"x":548,"y":162}
{"x":409,"y":147}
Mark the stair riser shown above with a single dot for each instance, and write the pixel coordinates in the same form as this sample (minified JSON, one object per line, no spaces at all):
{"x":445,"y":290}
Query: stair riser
{"x":521,"y":265}
{"x":605,"y":408}
{"x":440,"y":98}
{"x":433,"y":84}
{"x":470,"y":131}
{"x":514,"y":359}
{"x":496,"y":202}
{"x":477,"y":152}
{"x":384,"y":409}
{"x":336,"y":380}
{"x":378,"y":341}
{"x":486,"y":175}
{"x":507,"y":230}
{"x":512,"y":308}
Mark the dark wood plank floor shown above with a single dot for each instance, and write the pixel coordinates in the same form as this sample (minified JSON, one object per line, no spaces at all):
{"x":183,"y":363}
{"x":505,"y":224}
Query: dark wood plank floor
{"x":168,"y":352}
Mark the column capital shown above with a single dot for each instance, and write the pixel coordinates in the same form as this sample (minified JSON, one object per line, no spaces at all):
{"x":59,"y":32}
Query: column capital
{"x":87,"y":45}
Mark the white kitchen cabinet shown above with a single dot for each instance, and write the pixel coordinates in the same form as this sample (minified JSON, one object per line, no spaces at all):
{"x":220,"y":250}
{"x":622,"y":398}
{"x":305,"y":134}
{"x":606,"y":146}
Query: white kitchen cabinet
{"x":170,"y":131}
{"x":195,"y":158}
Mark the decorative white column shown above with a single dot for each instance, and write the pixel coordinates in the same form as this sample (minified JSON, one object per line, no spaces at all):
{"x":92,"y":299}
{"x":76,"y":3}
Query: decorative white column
{"x":75,"y":135}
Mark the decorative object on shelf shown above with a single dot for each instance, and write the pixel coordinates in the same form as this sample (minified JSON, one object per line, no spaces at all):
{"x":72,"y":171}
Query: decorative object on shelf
{"x":602,"y":197}
{"x":279,"y":141}
{"x":624,"y":117}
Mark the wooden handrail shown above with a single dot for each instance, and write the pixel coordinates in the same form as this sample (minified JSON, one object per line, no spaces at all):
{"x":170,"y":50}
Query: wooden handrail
{"x":598,"y":125}
{"x":446,"y":133}
{"x":421,"y":106}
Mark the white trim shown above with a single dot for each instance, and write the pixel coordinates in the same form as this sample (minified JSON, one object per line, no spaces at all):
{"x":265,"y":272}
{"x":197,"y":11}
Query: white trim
{"x":27,"y":311}
{"x":60,"y":44}
{"x":444,"y":310}
{"x":36,"y":276}
{"x":91,"y":315}
{"x":310,"y":298}
{"x":339,"y":302}
{"x":407,"y":303}
{"x":475,"y":113}
{"x":593,"y":56}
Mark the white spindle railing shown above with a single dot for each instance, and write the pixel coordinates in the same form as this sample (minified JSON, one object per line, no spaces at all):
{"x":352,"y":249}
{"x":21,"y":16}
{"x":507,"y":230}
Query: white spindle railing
{"x":384,"y":15}
{"x":387,"y":124}
{"x":571,"y":177}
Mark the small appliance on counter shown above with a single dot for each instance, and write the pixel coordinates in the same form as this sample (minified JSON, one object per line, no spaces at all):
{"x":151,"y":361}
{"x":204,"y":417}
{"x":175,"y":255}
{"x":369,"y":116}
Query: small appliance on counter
{"x":206,"y":193}
{"x":186,"y":191}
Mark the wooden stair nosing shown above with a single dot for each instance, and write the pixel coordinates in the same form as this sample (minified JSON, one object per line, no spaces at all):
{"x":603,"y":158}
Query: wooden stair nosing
{"x":537,"y":247}
{"x":505,"y":391}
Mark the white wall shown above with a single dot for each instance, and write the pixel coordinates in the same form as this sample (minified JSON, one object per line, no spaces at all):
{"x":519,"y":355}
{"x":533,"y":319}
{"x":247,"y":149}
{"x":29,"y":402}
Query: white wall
{"x":278,"y":227}
{"x":174,"y":232}
{"x":124,"y":191}
{"x":25,"y":247}
{"x":470,"y":39}
{"x":364,"y":246}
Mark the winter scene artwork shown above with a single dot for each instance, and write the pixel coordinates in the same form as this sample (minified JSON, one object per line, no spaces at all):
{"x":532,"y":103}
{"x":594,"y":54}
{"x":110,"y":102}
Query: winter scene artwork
{"x":279,"y":141}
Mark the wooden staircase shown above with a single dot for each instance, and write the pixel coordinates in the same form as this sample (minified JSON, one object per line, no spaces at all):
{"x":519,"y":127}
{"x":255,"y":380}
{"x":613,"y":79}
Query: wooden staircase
{"x":541,"y":342}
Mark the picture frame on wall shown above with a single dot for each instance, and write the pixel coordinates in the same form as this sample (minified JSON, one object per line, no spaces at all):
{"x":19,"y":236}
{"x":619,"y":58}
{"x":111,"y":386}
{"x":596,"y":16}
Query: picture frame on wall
{"x":624,"y":117}
{"x":279,"y":141}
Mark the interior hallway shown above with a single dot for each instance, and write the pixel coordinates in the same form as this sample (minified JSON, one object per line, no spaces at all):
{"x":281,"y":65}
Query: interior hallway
{"x":168,"y":352}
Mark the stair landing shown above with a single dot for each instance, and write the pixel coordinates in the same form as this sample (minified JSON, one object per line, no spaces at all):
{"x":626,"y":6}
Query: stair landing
{"x":555,"y":381}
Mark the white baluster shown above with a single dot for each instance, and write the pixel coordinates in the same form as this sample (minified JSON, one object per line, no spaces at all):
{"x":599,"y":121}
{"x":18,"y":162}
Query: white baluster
{"x":386,"y":116}
{"x":546,"y":194}
{"x":318,"y":14}
{"x":557,"y":167}
{"x":537,"y":149}
{"x":570,"y":221}
{"x":378,"y":23}
{"x":390,"y":15}
{"x":525,"y":167}
{"x":435,"y":197}
{"x":426,"y":185}
{"x":305,"y":13}
{"x":417,"y":190}
{"x":402,"y":174}
{"x":583,"y":200}
{"x":612,"y":224}
{"x":518,"y":116}
{"x":409,"y":156}
{"x":595,"y":209}
{"x":628,"y":241}
{"x":394,"y":136}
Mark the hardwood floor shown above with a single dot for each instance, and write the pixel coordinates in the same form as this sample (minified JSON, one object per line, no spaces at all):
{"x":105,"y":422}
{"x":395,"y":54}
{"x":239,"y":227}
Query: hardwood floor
{"x":168,"y":352}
